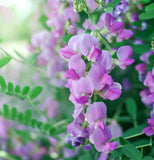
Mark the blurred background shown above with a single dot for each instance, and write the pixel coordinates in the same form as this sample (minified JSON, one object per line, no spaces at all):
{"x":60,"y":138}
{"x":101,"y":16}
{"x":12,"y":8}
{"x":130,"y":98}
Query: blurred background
{"x":19,"y":19}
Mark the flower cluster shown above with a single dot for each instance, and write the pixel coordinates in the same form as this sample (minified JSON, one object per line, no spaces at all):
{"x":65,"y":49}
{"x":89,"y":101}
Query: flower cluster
{"x":85,"y":82}
{"x":109,"y":27}
{"x":46,"y":42}
{"x":147,"y":77}
{"x":147,"y":95}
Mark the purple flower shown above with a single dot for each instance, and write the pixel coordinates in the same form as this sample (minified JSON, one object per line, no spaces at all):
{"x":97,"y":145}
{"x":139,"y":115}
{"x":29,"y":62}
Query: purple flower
{"x":141,"y":68}
{"x":69,"y":153}
{"x":144,"y":57}
{"x":116,"y":28}
{"x":66,"y":53}
{"x":115,"y":128}
{"x":105,"y":60}
{"x":75,"y":127}
{"x":71,"y":74}
{"x":91,"y":5}
{"x":125,"y":34}
{"x":111,"y":92}
{"x":107,"y":148}
{"x":82,"y":89}
{"x":83,"y":43}
{"x":149,"y":81}
{"x":94,"y":54}
{"x":96,"y":112}
{"x":87,"y":147}
{"x":99,"y":137}
{"x":144,"y":96}
{"x":123,"y":54}
{"x":78,"y":64}
{"x":78,"y":109}
{"x":149,"y":131}
{"x":113,"y":27}
{"x":95,"y":74}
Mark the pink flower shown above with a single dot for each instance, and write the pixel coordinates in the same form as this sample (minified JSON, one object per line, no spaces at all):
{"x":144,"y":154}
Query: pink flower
{"x":83,"y":43}
{"x":66,"y":53}
{"x":125,"y":34}
{"x":96,"y":112}
{"x":123,"y":54}
{"x":111,"y":92}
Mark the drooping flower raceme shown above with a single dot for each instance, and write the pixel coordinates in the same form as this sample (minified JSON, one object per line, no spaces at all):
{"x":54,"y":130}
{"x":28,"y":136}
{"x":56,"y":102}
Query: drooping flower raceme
{"x":89,"y":76}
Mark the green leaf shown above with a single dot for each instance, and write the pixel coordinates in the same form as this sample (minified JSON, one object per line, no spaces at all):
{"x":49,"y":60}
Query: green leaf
{"x":132,"y":132}
{"x":130,"y":151}
{"x":14,"y":113}
{"x":66,"y":38}
{"x":6,"y":110}
{"x":32,"y":58}
{"x":149,"y":7}
{"x":123,"y":141}
{"x":25,"y":90}
{"x":147,"y":15}
{"x":108,"y":10}
{"x":35,"y":92}
{"x":151,"y":59}
{"x":2,"y":84}
{"x":17,"y":89}
{"x":112,"y":4}
{"x":131,"y":107}
{"x":144,"y":1}
{"x":148,"y":158}
{"x":43,"y":20}
{"x":142,"y":142}
{"x":28,"y":115}
{"x":20,"y":117}
{"x":10,"y":88}
{"x":46,"y":126}
{"x":39,"y":124}
{"x":4,"y":61}
{"x":33,"y":123}
{"x":141,"y":48}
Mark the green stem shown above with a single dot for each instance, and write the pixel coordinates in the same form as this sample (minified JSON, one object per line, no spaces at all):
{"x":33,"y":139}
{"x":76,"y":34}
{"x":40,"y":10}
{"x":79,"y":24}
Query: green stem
{"x":11,"y":56}
{"x":105,"y":41}
{"x":39,"y":110}
{"x":135,"y":135}
{"x":132,"y":136}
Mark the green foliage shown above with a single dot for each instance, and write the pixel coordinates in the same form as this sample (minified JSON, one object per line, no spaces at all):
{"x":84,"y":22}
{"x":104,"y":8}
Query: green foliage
{"x":134,"y":131}
{"x":112,"y":4}
{"x":130,"y":151}
{"x":149,"y":12}
{"x":150,"y":7}
{"x":148,"y":158}
{"x":141,"y":48}
{"x":4,"y":61}
{"x":25,"y":118}
{"x":16,"y":91}
{"x":35,"y":92}
{"x":131,"y":108}
{"x":66,"y":38}
{"x":144,"y":1}
{"x":2,"y":84}
{"x":151,"y":62}
{"x":43,"y":20}
{"x":25,"y":90}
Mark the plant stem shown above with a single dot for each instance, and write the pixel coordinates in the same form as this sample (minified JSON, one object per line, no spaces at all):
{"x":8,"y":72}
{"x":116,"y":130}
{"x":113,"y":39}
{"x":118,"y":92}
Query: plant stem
{"x":39,"y":110}
{"x":11,"y":56}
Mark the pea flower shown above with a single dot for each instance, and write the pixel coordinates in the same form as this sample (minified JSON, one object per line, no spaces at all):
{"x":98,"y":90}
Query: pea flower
{"x":149,"y":131}
{"x":123,"y":54}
